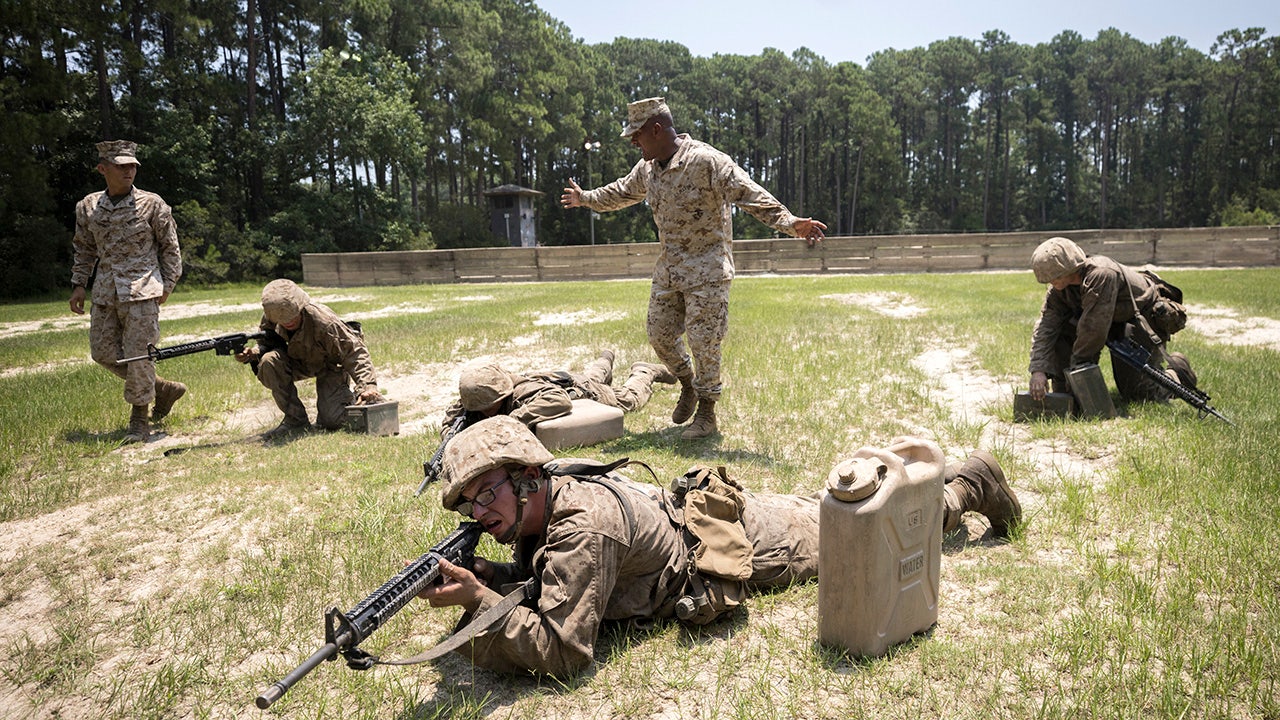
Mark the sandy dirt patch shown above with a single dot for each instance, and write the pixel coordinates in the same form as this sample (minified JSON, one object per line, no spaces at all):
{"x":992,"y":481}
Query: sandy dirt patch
{"x":892,"y":304}
{"x":1226,"y":326}
{"x":975,"y":397}
{"x":168,"y":311}
{"x":579,"y":317}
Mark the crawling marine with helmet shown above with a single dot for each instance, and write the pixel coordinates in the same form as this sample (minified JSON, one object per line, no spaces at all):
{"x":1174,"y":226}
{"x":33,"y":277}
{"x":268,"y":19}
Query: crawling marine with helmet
{"x":595,"y":546}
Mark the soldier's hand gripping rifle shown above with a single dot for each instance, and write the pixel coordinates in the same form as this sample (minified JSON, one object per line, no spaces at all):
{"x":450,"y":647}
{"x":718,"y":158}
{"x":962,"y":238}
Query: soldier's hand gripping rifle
{"x":431,"y":468}
{"x":343,"y":632}
{"x":221,"y":345}
{"x":1137,"y":356}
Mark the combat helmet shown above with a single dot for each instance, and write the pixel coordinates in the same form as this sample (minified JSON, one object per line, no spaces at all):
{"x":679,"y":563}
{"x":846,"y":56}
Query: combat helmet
{"x":1056,"y":257}
{"x":493,"y":442}
{"x":283,"y":300}
{"x":482,"y":386}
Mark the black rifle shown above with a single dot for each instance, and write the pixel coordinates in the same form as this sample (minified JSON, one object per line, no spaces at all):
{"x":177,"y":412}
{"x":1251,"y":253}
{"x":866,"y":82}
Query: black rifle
{"x":344,"y":631}
{"x":221,"y":345}
{"x":431,"y":468}
{"x":1134,"y":354}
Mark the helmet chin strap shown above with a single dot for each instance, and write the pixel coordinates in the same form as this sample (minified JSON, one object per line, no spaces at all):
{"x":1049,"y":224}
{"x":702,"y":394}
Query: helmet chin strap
{"x":523,"y":487}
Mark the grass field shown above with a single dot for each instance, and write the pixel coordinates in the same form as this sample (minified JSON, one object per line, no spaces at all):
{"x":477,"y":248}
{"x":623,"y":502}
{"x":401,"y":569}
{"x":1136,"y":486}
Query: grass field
{"x":1145,"y":581}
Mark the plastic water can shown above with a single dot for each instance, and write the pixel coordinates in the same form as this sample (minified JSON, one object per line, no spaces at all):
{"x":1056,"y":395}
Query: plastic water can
{"x":880,"y":547}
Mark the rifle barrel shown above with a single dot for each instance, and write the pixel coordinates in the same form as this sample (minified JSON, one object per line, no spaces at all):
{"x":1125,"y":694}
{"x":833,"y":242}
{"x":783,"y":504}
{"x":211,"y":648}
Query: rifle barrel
{"x":1138,"y":357}
{"x":326,"y":652}
{"x":344,"y":631}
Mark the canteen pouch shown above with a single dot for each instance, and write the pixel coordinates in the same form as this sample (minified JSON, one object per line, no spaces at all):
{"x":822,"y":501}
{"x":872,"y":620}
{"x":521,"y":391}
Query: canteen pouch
{"x":1167,"y":315}
{"x":719,"y":551}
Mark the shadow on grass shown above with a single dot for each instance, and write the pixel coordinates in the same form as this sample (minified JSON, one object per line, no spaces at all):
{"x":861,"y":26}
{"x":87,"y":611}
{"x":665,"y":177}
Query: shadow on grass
{"x":635,"y":445}
{"x":842,"y":660}
{"x":256,"y":440}
{"x":465,"y":691}
{"x":108,"y":438}
{"x":957,"y":541}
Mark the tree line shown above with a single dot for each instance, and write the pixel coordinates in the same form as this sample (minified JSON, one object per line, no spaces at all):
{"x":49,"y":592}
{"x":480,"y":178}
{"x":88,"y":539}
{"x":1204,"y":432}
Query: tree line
{"x":276,"y":127}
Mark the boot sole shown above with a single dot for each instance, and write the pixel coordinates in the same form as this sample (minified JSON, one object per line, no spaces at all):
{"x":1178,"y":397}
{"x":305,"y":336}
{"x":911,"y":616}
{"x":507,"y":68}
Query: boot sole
{"x":996,"y":471}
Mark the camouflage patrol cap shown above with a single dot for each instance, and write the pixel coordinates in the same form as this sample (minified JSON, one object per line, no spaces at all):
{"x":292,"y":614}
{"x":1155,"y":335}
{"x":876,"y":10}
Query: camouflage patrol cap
{"x":491,"y":443}
{"x":1056,"y":257}
{"x":283,"y":300}
{"x":641,"y":112}
{"x":118,"y":152}
{"x":481,"y":386}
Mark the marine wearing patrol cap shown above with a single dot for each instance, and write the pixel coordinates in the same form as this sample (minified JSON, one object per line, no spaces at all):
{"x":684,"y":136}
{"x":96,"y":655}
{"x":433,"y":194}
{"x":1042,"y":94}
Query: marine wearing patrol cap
{"x":641,"y":112}
{"x":118,"y":152}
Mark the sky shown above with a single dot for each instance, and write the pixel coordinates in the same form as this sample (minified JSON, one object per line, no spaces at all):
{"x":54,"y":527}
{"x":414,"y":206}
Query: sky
{"x":841,"y":30}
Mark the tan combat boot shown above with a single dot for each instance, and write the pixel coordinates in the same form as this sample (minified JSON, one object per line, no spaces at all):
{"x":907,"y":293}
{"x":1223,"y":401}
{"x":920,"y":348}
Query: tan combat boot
{"x":686,"y":402}
{"x":704,"y":422}
{"x":139,"y":426}
{"x":168,"y":392}
{"x":660,"y":372}
{"x":980,"y":486}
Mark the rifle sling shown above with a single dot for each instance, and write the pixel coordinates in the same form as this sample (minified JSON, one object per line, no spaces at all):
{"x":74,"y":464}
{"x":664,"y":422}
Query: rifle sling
{"x":478,"y":624}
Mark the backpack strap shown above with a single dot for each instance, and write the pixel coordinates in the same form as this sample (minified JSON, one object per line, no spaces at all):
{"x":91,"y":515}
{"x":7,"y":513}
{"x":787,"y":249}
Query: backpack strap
{"x":596,"y":472}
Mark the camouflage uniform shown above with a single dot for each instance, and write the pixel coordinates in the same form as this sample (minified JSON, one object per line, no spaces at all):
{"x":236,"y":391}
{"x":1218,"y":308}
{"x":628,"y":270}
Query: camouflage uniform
{"x":549,"y":394}
{"x":134,"y":244}
{"x":321,"y":347}
{"x":596,"y":383}
{"x":692,"y":198}
{"x":527,"y":398}
{"x":1076,"y":322}
{"x":592,"y":567}
{"x":612,"y":549}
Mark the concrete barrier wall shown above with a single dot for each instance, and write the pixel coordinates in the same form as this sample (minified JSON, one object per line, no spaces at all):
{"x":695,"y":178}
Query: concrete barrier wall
{"x":1200,"y":247}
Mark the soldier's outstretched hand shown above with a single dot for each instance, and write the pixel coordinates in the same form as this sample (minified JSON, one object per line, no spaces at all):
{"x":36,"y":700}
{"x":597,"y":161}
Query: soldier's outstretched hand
{"x":810,"y":230}
{"x":572,"y":196}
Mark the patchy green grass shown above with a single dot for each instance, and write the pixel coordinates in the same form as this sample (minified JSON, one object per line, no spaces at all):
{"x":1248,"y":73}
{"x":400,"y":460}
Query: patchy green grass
{"x":1144,"y":584}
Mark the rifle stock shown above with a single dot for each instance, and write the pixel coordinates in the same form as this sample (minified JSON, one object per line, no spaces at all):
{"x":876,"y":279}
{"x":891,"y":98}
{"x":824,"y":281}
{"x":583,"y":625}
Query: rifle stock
{"x":431,"y":468}
{"x":1139,"y":357}
{"x":345,"y":631}
{"x":221,"y":345}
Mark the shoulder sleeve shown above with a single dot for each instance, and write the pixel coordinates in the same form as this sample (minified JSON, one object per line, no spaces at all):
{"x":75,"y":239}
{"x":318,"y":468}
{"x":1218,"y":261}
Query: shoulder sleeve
{"x":747,"y":194}
{"x":166,"y":234}
{"x":352,"y":354}
{"x":579,"y":572}
{"x":1098,"y":297}
{"x":84,"y":245}
{"x":623,"y":192}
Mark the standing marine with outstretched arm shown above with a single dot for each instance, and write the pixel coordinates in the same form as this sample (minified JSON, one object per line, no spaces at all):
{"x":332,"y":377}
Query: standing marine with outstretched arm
{"x":692,"y":189}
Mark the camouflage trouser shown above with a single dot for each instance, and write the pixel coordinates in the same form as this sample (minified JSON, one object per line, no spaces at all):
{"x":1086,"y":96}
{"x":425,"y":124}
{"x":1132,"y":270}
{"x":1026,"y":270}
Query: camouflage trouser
{"x":1131,"y":383}
{"x":596,"y":380}
{"x":333,"y":391}
{"x":702,"y":316}
{"x":784,"y":535}
{"x":125,"y":329}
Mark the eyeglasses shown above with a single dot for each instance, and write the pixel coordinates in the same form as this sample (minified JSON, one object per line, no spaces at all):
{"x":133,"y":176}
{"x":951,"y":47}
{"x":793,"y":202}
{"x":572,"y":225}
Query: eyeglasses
{"x":482,"y":498}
